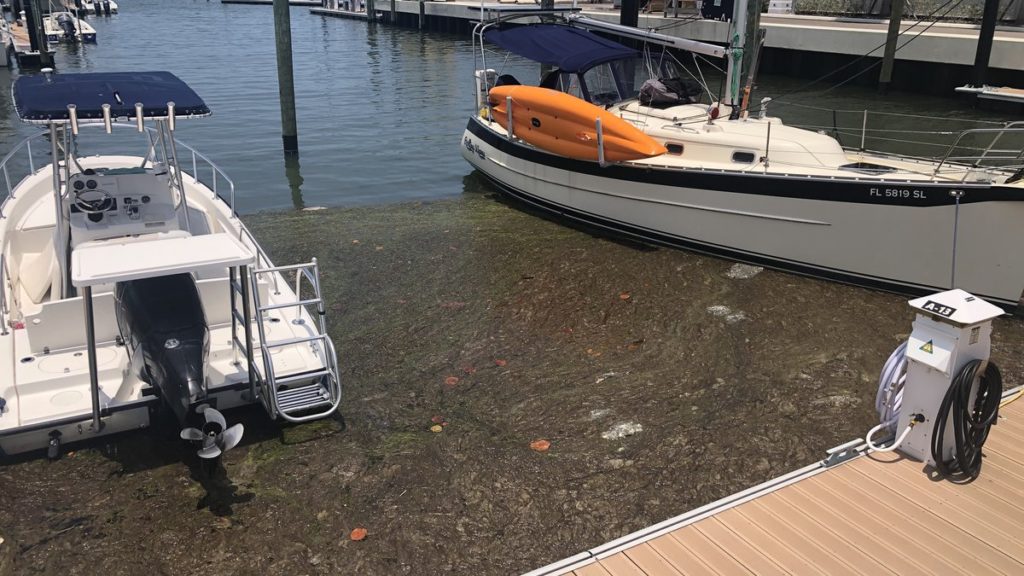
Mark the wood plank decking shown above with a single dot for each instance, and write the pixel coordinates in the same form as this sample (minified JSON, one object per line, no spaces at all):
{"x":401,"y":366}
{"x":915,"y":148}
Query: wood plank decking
{"x":877,"y":514}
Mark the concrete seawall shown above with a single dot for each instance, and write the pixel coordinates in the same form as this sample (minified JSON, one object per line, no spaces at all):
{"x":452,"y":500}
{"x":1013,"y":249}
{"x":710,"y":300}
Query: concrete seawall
{"x":934,"y":58}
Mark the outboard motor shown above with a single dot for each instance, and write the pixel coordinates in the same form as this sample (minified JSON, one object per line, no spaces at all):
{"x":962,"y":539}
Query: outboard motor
{"x":67,"y":25}
{"x":106,"y":8}
{"x":162,"y":322}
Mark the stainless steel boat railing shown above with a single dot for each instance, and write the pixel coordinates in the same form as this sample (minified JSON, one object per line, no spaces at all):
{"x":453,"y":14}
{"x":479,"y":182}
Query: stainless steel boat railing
{"x":947,"y":146}
{"x":26,"y":145}
{"x":215,"y":174}
{"x":199,"y":159}
{"x":5,"y":285}
{"x":990,"y":153}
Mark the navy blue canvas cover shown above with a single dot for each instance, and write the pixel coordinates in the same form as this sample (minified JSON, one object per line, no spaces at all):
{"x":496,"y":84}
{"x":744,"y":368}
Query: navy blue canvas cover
{"x":570,"y":49}
{"x":44,"y":98}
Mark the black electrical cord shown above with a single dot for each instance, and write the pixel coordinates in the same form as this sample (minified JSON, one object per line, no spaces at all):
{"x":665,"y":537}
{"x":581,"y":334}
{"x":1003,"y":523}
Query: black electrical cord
{"x":970,"y":423}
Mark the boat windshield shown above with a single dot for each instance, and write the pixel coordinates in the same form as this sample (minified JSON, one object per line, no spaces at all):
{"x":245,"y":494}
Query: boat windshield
{"x":612,"y":82}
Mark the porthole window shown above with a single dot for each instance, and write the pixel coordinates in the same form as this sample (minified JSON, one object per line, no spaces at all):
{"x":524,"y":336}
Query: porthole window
{"x":675,"y":149}
{"x":743,"y":157}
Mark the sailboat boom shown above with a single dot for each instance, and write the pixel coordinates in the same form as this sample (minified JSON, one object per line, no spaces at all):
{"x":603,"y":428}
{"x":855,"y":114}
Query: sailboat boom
{"x":646,"y":36}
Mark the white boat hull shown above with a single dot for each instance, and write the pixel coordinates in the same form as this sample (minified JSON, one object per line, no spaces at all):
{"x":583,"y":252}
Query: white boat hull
{"x":44,"y":374}
{"x":896,"y":236}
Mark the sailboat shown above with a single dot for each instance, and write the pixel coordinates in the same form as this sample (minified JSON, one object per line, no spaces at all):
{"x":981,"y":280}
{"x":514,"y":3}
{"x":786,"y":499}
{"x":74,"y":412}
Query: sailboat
{"x":742,"y":186}
{"x":128,"y":285}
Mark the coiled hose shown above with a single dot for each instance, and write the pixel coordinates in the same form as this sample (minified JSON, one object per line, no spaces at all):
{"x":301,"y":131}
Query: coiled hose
{"x":971,"y":423}
{"x":889,"y":398}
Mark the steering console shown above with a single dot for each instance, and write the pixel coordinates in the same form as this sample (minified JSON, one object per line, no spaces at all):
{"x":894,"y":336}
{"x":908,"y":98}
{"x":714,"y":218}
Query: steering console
{"x":93,"y":201}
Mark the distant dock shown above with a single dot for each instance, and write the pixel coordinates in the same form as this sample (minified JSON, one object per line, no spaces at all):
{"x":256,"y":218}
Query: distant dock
{"x":19,"y":48}
{"x":939,"y":59}
{"x":306,"y":3}
{"x":338,"y":13}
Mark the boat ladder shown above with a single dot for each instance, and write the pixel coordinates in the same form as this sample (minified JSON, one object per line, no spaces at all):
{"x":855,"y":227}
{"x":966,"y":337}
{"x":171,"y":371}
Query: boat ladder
{"x":298,"y":396}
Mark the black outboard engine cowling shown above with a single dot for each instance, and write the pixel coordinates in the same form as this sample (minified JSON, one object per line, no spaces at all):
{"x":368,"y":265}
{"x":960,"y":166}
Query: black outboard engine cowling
{"x":162,"y":322}
{"x":67,"y":25}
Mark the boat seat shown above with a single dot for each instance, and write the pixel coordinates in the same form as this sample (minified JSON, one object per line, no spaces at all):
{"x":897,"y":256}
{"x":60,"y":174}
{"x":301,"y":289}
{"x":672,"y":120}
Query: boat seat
{"x":36,"y":271}
{"x":61,"y":324}
{"x":198,"y":223}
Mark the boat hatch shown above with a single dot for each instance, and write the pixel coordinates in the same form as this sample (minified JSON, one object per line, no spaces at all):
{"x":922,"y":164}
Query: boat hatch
{"x":867,"y":168}
{"x":122,"y":259}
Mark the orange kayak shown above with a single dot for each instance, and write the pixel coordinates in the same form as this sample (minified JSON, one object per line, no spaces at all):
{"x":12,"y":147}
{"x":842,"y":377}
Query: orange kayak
{"x":565,"y":125}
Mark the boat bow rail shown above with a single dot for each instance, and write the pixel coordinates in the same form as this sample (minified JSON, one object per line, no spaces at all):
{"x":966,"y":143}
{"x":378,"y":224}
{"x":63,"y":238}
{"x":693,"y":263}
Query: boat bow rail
{"x":959,"y":153}
{"x":1007,"y":158}
{"x":15,"y":157}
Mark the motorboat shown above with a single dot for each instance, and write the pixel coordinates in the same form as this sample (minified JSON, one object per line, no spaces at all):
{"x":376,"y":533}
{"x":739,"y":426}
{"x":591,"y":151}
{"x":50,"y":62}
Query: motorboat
{"x":66,"y":27}
{"x":99,"y":7}
{"x":742,"y":186}
{"x":130,"y":288}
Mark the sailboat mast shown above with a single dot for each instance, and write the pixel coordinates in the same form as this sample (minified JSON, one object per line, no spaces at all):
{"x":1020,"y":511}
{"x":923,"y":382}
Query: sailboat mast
{"x":743,"y":37}
{"x":737,"y":44}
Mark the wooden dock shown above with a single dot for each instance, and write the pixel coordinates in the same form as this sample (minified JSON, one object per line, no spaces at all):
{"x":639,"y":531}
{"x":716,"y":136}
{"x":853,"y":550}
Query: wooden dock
{"x":20,"y":36}
{"x":876,"y":514}
{"x":20,"y":48}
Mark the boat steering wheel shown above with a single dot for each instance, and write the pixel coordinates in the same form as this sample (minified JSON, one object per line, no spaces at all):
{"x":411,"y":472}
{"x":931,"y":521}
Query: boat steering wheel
{"x":93,"y":201}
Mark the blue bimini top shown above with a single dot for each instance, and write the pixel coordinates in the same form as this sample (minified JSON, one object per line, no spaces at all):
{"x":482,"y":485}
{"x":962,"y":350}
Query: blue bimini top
{"x":570,"y":49}
{"x":44,"y":98}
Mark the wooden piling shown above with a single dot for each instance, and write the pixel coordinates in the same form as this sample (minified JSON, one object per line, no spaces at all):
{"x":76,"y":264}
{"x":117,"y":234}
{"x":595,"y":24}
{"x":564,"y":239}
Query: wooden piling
{"x":985,"y":37}
{"x":285,"y":77}
{"x":629,"y":13}
{"x":895,"y":18}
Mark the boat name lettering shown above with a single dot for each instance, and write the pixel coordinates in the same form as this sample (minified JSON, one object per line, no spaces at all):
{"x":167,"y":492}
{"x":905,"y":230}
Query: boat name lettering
{"x":474,"y":148}
{"x":897,"y":193}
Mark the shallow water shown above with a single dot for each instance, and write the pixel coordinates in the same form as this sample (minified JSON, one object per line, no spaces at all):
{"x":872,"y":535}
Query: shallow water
{"x":663,"y":380}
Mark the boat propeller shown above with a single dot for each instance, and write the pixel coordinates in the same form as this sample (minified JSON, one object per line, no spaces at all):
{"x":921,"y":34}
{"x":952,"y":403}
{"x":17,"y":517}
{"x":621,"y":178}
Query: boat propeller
{"x":215,"y":437}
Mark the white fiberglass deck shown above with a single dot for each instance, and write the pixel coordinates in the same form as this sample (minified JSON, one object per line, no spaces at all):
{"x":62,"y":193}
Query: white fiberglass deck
{"x":877,"y":514}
